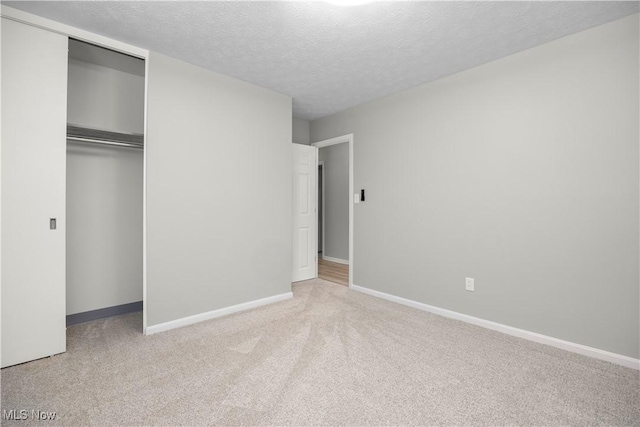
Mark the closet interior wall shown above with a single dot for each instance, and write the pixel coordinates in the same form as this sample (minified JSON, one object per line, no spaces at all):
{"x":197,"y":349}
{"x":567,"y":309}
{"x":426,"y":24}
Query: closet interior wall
{"x":104,"y":182}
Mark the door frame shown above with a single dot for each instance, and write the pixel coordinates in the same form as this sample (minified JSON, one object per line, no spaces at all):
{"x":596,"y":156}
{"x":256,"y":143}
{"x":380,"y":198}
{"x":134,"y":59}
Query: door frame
{"x":348,"y":138}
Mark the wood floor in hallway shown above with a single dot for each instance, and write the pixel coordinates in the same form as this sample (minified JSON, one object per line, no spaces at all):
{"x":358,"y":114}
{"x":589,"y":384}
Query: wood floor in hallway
{"x":333,"y":271}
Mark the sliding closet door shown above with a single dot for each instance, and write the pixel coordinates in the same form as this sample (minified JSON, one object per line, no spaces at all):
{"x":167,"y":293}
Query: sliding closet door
{"x":34,"y":104}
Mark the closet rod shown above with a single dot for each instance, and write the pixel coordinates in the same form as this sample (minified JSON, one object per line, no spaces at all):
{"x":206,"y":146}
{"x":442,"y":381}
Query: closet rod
{"x":106,"y":142}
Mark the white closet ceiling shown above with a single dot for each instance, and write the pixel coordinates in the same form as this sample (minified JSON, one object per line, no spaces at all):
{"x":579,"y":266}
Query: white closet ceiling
{"x":86,"y":52}
{"x":330,"y":58}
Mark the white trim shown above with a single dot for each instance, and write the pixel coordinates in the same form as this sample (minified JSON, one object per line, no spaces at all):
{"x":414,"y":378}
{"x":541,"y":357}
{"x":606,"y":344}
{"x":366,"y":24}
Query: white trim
{"x":66,"y":30}
{"x":336,"y":260}
{"x":144,"y":197}
{"x":584,"y":350}
{"x":196,"y":318}
{"x":333,"y":141}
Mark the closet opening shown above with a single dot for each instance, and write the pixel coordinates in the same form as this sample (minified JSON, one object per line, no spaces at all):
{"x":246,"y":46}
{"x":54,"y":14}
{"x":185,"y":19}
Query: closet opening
{"x":104,"y":204}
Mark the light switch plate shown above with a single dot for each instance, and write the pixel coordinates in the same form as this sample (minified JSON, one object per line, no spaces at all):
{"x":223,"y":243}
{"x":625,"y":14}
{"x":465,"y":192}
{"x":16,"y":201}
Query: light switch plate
{"x":469,"y":284}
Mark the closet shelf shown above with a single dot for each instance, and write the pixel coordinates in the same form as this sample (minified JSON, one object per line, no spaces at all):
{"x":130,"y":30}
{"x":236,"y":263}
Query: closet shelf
{"x":98,"y":136}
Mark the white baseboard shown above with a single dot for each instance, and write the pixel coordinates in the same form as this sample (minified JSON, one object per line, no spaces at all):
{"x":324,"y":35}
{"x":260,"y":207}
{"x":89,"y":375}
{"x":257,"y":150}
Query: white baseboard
{"x":196,"y":318}
{"x":338,"y":260}
{"x":584,"y":350}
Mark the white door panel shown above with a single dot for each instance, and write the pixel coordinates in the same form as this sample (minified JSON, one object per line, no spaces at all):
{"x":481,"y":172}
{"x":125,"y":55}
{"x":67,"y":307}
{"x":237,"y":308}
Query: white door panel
{"x":34,"y":116}
{"x":305,"y":216}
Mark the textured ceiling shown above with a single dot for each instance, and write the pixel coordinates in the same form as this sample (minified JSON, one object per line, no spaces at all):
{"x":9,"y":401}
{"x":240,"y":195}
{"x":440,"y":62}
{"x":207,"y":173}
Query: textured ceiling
{"x":327,"y":57}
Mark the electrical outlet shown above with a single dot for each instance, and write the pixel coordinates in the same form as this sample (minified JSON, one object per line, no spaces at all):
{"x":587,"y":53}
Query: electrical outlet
{"x":469,"y":284}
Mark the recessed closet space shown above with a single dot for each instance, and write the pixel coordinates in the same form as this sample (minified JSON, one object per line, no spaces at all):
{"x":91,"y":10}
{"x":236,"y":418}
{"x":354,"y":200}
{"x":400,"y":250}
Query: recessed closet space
{"x":104,"y":186}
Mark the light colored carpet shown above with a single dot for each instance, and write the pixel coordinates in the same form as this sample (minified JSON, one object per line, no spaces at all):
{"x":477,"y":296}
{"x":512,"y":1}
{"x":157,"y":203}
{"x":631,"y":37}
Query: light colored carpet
{"x":329,"y":356}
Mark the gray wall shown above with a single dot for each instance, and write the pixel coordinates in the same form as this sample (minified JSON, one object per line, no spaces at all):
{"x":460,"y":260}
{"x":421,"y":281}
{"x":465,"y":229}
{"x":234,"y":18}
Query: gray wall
{"x":105,"y":98}
{"x":336,"y":193}
{"x":320,"y":175}
{"x":300,"y":131}
{"x":218,"y":191}
{"x":521,"y":173}
{"x":104,"y":191}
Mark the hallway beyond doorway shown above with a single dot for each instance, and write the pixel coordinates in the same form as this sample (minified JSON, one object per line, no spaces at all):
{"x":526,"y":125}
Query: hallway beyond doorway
{"x":333,"y":271}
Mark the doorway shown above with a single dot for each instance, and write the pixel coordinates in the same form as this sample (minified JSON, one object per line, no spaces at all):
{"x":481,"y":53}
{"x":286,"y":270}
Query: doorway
{"x":104,"y":183}
{"x":335,"y":209}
